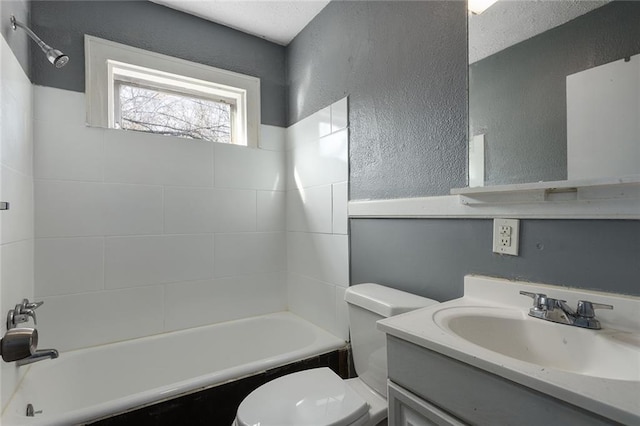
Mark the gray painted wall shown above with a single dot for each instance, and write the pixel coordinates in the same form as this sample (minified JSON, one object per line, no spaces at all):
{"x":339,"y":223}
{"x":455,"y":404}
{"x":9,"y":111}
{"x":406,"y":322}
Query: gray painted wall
{"x":403,"y":66}
{"x":18,"y":40}
{"x":517,"y":97}
{"x":157,"y":28}
{"x":407,"y":115}
{"x":431,"y":257}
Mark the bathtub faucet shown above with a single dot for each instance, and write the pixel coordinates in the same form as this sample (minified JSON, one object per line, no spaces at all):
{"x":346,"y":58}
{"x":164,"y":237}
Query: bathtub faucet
{"x":38,"y":356}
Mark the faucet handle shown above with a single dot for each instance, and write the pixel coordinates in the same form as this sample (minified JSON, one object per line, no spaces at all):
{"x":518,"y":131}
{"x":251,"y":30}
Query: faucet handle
{"x":31,"y":305}
{"x":540,"y":300}
{"x":586,"y":309}
{"x":29,"y":313}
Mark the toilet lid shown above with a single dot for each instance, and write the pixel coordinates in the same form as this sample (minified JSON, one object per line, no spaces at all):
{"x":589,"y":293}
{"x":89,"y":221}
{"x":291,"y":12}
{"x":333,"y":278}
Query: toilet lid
{"x":316,"y":397}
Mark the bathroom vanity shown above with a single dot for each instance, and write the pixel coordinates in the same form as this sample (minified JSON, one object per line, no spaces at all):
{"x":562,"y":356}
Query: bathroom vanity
{"x":483,"y":360}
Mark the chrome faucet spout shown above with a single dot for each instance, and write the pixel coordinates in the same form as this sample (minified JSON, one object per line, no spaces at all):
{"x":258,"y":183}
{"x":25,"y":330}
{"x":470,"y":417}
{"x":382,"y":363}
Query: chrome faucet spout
{"x":556,"y":310}
{"x":39,"y":356}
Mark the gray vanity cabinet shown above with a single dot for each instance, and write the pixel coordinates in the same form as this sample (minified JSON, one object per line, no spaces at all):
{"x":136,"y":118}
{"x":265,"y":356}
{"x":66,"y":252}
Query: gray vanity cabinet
{"x":408,"y":409}
{"x":427,"y":388}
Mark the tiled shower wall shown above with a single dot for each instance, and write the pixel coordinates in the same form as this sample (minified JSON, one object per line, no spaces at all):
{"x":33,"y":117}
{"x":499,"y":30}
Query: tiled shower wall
{"x":317,"y":231}
{"x":137,"y":234}
{"x":16,"y":186}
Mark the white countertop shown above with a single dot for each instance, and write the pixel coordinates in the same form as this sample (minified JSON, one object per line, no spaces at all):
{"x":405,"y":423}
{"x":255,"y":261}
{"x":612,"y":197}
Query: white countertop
{"x":615,"y":399}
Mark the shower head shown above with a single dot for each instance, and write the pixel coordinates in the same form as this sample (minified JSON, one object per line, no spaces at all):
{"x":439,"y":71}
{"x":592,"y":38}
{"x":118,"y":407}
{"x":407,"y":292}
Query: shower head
{"x":57,"y":58}
{"x":54,"y":56}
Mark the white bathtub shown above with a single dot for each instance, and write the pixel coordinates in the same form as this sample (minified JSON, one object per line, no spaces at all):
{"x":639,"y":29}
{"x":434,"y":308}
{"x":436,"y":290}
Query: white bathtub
{"x":88,"y":384}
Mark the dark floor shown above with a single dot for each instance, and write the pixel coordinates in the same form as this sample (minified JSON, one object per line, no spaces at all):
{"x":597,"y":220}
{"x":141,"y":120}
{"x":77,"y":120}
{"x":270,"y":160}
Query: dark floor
{"x":218,"y":405}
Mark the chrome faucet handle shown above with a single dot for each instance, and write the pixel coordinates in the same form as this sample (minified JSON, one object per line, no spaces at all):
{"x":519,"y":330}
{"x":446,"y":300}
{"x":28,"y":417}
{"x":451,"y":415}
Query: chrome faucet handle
{"x":586,"y":309}
{"x":14,"y":317}
{"x":31,"y":305}
{"x":540,"y":300}
{"x":29,"y":313}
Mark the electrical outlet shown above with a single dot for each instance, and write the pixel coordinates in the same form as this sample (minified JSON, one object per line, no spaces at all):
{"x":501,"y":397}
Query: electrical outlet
{"x":505,"y":236}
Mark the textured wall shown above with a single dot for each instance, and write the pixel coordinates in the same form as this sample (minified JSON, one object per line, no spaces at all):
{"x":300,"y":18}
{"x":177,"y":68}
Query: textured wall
{"x":517,"y":97}
{"x":157,"y":28}
{"x":403,"y":66}
{"x":431,"y":257}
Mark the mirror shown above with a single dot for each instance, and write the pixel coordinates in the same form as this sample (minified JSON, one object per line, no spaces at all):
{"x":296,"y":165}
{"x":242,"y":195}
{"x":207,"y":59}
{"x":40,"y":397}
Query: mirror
{"x":522,"y":54}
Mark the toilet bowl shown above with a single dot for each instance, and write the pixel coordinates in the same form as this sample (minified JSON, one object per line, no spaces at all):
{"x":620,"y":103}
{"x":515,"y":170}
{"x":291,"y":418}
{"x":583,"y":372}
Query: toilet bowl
{"x":312,"y":397}
{"x":319,"y":397}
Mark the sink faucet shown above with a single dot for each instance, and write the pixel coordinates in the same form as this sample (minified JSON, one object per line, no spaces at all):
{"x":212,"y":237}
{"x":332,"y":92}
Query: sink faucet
{"x":556,"y":310}
{"x":38,"y":356}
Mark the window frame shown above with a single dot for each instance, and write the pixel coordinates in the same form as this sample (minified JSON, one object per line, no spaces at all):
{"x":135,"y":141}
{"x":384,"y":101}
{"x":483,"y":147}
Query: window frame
{"x":133,"y":75}
{"x":106,"y":60}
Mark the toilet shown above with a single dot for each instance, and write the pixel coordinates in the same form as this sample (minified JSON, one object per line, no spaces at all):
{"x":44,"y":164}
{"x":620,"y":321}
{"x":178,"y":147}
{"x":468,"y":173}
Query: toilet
{"x":319,"y":397}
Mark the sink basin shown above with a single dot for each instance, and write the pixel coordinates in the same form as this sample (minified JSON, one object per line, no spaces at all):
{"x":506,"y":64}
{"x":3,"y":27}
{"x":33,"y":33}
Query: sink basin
{"x":610,"y":354}
{"x":489,"y":330}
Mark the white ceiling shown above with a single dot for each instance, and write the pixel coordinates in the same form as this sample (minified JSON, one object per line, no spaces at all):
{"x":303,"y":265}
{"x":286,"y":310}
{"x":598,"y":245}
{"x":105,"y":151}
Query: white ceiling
{"x":504,"y":24}
{"x":276,"y":21}
{"x":509,"y":22}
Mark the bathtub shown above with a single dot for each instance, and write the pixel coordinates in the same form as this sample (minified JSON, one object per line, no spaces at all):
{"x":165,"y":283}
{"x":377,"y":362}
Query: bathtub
{"x":89,"y":384}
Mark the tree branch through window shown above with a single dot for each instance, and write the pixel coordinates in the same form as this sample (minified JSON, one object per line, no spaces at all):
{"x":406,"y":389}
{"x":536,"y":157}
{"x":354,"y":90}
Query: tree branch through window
{"x":153,"y":111}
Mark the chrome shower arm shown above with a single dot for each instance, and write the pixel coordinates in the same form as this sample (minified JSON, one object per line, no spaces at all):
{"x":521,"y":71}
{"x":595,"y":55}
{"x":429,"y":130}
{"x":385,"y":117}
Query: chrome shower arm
{"x":15,"y":24}
{"x":56,"y":57}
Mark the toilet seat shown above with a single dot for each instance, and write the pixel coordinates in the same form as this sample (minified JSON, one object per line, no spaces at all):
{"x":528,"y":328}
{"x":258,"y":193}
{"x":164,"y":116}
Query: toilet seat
{"x":316,"y":397}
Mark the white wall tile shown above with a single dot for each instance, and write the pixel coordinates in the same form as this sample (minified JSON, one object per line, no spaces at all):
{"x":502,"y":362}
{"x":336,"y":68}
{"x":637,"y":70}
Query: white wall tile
{"x":342,"y":315}
{"x":313,"y":300}
{"x":339,"y":202}
{"x":188,"y":210}
{"x":136,"y":157}
{"x":321,"y":162}
{"x":68,"y":265}
{"x":140,"y":261}
{"x":292,"y":175}
{"x":13,"y":78}
{"x":271,"y":210}
{"x":272,"y":138}
{"x":235,"y":210}
{"x":16,"y":275}
{"x":204,"y":210}
{"x":339,"y":115}
{"x":16,"y":187}
{"x":72,"y":152}
{"x":324,"y":257}
{"x":309,"y":209}
{"x":309,"y":129}
{"x":16,"y":132}
{"x":324,"y":121}
{"x":58,"y":107}
{"x":132,"y":209}
{"x":198,"y":303}
{"x":246,"y":168}
{"x":89,"y":319}
{"x":66,"y":209}
{"x":249,"y":253}
{"x":17,"y":222}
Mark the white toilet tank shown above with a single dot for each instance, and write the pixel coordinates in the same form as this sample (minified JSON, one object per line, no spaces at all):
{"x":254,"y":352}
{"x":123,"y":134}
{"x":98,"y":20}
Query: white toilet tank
{"x":369,"y":303}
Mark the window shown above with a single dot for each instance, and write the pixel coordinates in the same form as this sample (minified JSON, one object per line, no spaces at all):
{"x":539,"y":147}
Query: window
{"x":133,"y":89}
{"x":153,"y":110}
{"x":153,"y":101}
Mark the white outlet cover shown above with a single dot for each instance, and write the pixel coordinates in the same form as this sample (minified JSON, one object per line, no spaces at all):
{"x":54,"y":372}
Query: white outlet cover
{"x":514,"y":225}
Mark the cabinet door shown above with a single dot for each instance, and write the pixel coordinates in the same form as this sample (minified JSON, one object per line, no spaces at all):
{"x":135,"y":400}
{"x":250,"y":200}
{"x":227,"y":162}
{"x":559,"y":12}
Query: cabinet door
{"x":407,"y":409}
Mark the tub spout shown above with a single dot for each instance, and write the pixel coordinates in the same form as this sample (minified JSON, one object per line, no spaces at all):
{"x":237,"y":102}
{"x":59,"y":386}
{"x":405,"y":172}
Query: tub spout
{"x":38,"y":356}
